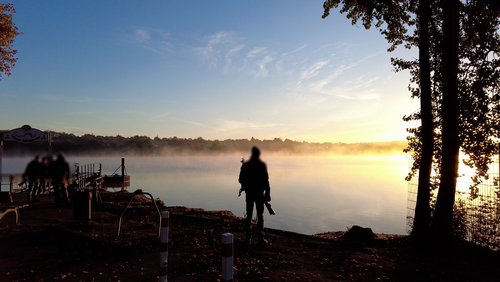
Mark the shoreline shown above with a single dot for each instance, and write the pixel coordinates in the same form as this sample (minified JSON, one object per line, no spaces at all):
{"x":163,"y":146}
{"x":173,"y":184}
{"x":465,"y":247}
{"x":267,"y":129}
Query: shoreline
{"x":50,"y":245}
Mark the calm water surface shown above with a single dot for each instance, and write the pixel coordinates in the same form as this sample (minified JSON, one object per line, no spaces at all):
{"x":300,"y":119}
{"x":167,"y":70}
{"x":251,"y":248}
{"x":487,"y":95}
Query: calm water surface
{"x":310,"y":194}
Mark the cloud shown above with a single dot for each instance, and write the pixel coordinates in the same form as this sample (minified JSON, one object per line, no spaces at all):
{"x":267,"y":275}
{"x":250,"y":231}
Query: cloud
{"x":220,"y":47}
{"x":339,"y":79}
{"x":294,"y":51}
{"x":231,"y":53}
{"x":222,"y":128}
{"x":235,"y":125}
{"x":360,"y":88}
{"x":312,"y":71}
{"x":363,"y":87}
{"x":287,"y":61}
{"x":141,"y":35}
{"x":321,"y":71}
{"x":154,"y":40}
{"x":255,"y":52}
{"x":230,"y":60}
{"x":257,"y":61}
{"x":321,"y":82}
{"x":160,"y":117}
{"x":262,"y":66}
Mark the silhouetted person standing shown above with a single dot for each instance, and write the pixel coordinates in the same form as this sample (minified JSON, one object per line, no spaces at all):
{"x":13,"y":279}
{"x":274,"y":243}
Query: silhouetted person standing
{"x":59,"y":172}
{"x":254,"y":181}
{"x":32,"y":175}
{"x":45,"y":177}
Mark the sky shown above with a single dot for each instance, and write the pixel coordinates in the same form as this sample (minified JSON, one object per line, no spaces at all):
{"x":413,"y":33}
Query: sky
{"x":219,"y":69}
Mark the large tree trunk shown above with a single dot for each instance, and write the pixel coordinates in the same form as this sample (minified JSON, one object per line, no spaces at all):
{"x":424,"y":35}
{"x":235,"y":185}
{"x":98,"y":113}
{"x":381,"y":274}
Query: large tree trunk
{"x":422,"y":210}
{"x":442,"y":222}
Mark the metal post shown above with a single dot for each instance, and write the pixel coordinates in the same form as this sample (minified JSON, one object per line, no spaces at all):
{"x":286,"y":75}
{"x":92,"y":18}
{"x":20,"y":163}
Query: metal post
{"x":227,"y":257}
{"x":1,"y":156}
{"x":164,"y":245}
{"x":123,"y":174}
{"x":11,"y":185}
{"x":49,"y":139}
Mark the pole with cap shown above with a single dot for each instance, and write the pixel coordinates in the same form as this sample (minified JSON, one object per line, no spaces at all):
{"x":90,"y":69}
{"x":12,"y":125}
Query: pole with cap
{"x":164,"y":246}
{"x":227,"y":257}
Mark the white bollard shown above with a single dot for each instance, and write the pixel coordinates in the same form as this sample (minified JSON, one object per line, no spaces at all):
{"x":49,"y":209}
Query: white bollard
{"x":164,"y":246}
{"x":227,"y":257}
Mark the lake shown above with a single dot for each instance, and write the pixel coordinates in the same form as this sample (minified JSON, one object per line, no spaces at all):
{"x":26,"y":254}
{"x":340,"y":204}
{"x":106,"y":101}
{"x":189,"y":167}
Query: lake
{"x":310,"y":194}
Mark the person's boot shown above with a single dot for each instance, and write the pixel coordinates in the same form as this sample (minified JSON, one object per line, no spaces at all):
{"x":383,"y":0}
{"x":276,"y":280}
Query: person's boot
{"x":262,"y":241}
{"x":248,"y":238}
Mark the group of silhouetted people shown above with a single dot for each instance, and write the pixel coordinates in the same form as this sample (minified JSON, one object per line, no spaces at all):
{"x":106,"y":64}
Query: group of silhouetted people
{"x":42,"y":173}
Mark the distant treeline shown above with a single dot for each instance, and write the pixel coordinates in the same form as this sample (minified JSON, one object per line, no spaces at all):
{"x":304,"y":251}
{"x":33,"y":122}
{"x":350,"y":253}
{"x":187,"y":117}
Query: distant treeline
{"x":89,"y":144}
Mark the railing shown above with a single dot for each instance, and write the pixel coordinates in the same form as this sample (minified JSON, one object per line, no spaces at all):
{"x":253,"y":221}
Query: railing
{"x":137,"y":193}
{"x":86,"y":174}
{"x":9,"y":182}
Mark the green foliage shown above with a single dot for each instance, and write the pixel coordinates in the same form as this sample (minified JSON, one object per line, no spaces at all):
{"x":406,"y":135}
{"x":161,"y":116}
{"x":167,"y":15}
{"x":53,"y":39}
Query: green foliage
{"x":90,"y":144}
{"x":478,"y":74}
{"x":476,"y":219}
{"x":460,"y":224}
{"x":8,"y":33}
{"x":392,"y":18}
{"x":479,"y":71}
{"x":479,"y":86}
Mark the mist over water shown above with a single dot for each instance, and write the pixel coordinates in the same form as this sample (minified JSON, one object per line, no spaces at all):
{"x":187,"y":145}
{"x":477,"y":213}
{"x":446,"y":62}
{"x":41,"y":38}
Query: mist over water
{"x":310,"y":194}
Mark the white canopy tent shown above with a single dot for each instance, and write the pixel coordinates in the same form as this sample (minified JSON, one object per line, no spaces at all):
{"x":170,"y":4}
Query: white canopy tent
{"x":23,"y":134}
